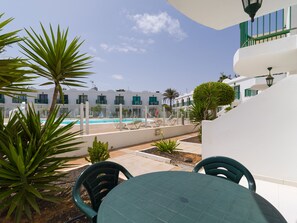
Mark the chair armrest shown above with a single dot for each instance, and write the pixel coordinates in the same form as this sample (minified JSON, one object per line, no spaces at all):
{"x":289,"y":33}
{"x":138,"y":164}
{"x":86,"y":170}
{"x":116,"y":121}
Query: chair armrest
{"x":87,"y":210}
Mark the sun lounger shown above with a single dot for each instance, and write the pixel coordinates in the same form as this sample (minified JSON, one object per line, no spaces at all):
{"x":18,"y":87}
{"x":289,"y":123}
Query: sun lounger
{"x":171,"y":120}
{"x":157,"y":122}
{"x":134,"y":125}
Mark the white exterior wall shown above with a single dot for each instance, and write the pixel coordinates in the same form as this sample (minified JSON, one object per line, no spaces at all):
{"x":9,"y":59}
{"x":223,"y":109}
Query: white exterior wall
{"x":73,"y":95}
{"x":261,"y":133}
{"x":184,"y":97}
{"x":121,"y":139}
{"x":244,"y":83}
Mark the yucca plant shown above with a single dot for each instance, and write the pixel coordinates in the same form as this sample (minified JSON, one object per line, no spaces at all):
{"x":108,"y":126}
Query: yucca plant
{"x":30,"y":160}
{"x":166,"y":146}
{"x":52,"y":57}
{"x":13,"y":71}
{"x":98,"y":152}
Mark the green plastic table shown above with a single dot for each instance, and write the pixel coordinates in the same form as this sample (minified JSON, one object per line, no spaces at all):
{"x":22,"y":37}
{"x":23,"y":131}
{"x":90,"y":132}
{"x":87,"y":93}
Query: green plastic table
{"x":184,"y":197}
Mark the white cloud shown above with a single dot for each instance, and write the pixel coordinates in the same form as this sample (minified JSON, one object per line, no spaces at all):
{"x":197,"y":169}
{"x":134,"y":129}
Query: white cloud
{"x":162,"y":22}
{"x":117,"y":77}
{"x":99,"y":59}
{"x":93,"y":49}
{"x":137,"y":41}
{"x":122,"y":48}
{"x":94,"y":54}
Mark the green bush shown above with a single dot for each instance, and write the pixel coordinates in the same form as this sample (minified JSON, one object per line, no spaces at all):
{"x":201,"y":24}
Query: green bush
{"x":228,"y":109}
{"x":167,"y":146}
{"x":31,"y":155}
{"x":99,"y":151}
{"x":213,"y":94}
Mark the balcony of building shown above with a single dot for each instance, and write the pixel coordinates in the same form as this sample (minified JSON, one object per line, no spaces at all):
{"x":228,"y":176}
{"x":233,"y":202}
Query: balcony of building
{"x":136,"y":100}
{"x":119,"y":100}
{"x":153,"y":100}
{"x":65,"y":101}
{"x":82,"y":99}
{"x":101,"y":99}
{"x":270,"y":41}
{"x":41,"y":99}
{"x":19,"y":99}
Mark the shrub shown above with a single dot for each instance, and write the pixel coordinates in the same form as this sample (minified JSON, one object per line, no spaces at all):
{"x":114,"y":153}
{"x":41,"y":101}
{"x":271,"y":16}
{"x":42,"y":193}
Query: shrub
{"x":30,"y":160}
{"x":228,"y":109}
{"x":167,"y":146}
{"x":99,"y":151}
{"x":213,"y":94}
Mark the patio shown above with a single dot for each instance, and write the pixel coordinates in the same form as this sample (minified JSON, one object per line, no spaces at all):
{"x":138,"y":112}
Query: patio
{"x":282,"y":196}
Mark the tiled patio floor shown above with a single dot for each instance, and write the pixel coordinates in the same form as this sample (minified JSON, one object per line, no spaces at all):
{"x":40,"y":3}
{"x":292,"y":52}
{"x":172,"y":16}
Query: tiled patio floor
{"x":283,"y":197}
{"x":138,"y":165}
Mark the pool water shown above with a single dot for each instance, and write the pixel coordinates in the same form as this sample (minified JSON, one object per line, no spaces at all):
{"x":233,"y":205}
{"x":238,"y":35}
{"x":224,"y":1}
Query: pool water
{"x":100,"y":121}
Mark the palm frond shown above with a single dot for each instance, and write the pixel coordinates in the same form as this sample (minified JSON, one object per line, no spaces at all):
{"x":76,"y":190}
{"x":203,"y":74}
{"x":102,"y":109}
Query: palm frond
{"x":14,"y":72}
{"x":53,"y":58}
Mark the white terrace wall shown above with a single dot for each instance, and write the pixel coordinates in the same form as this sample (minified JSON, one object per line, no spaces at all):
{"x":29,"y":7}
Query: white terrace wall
{"x":121,"y":139}
{"x":261,"y":133}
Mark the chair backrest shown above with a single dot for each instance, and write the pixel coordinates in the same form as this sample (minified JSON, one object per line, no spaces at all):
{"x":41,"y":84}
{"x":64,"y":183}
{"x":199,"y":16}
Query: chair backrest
{"x":226,"y":168}
{"x":98,"y":179}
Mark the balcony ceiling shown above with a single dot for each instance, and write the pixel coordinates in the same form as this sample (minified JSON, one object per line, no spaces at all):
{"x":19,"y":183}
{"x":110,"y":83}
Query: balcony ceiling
{"x":220,"y":14}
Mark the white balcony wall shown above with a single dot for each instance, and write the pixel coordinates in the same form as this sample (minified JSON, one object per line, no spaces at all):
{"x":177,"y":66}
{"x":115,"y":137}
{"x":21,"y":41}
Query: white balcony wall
{"x":261,"y":133}
{"x":280,"y":54}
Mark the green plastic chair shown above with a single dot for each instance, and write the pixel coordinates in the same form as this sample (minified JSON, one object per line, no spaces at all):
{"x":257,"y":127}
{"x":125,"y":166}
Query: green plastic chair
{"x":98,"y":179}
{"x":226,"y":168}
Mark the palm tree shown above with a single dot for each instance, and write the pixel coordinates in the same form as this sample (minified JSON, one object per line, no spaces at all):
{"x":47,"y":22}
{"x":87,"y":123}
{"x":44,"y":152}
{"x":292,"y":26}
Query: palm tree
{"x":13,"y":72}
{"x":52,"y":58}
{"x":170,"y":94}
{"x":223,"y":77}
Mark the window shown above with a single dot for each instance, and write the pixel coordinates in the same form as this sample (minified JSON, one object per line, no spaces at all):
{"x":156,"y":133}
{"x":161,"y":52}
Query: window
{"x":119,"y":100}
{"x":153,"y":100}
{"x":2,"y":99}
{"x":136,"y":100}
{"x":183,"y":102}
{"x":101,"y":99}
{"x":59,"y":100}
{"x":250,"y":92}
{"x":82,"y":99}
{"x":42,"y":99}
{"x":188,"y":101}
{"x":19,"y":99}
{"x":237,"y":92}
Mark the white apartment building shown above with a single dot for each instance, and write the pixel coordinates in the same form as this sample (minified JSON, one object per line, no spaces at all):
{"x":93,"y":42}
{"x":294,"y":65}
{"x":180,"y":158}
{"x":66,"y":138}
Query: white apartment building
{"x":109,"y":101}
{"x":245,"y":88}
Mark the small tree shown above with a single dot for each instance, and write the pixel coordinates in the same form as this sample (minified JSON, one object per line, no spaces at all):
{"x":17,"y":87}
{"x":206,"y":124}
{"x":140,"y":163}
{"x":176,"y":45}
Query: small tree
{"x":207,"y":97}
{"x":96,"y":110}
{"x":213,"y":94}
{"x":167,"y":108}
{"x":170,"y":94}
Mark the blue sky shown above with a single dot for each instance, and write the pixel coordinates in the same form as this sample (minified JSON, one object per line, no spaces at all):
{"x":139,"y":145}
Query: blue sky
{"x":136,"y":44}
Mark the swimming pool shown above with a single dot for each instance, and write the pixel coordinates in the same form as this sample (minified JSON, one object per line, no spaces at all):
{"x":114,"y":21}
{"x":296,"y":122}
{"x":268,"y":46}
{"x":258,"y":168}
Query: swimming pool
{"x":101,"y":121}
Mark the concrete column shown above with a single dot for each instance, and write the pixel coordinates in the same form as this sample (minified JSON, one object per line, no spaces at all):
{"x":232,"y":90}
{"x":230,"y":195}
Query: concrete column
{"x":87,"y":117}
{"x":82,"y":118}
{"x":145,"y":115}
{"x":121,"y":117}
{"x":164,"y":115}
{"x":177,"y":115}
